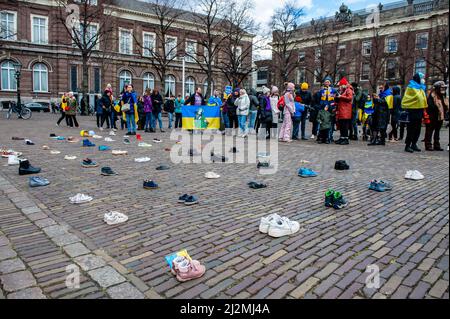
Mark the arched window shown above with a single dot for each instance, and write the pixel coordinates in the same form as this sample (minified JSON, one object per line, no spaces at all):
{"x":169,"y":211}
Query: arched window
{"x":190,"y":85}
{"x":124,"y":78}
{"x":149,"y":81}
{"x":9,"y":82}
{"x":169,"y":86}
{"x":205,"y":88}
{"x":40,"y":78}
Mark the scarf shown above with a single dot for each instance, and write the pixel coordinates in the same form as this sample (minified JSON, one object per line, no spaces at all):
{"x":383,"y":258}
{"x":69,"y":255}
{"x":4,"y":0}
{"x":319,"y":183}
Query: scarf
{"x":441,"y":105}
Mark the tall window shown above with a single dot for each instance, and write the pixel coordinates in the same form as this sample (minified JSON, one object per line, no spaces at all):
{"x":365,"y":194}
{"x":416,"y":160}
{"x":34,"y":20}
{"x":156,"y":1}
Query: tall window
{"x":341,"y":51}
{"x":124,"y":78}
{"x":301,"y":75}
{"x":97,"y":80}
{"x":301,"y":57}
{"x":149,"y":81}
{"x":391,"y":45}
{"x":73,"y":78}
{"x":238,"y":55}
{"x":391,"y":69}
{"x":191,"y":51}
{"x":125,"y":41}
{"x":40,"y":78}
{"x":169,"y":86}
{"x":8,"y":76}
{"x":190,"y":85}
{"x":317,"y":75}
{"x":422,"y":41}
{"x":89,"y":34}
{"x":367,"y":48}
{"x":365,"y":72}
{"x":420,"y":66}
{"x":171,"y":47}
{"x":205,"y":88}
{"x":149,"y":42}
{"x":8,"y":25}
{"x":39,"y":32}
{"x":317,"y":53}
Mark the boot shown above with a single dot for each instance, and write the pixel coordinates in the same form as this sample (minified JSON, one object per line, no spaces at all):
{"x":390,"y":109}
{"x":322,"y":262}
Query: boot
{"x":409,"y":149}
{"x":373,"y":141}
{"x":437,"y":147}
{"x":429,"y":147}
{"x":416,"y":148}
{"x":26,"y":169}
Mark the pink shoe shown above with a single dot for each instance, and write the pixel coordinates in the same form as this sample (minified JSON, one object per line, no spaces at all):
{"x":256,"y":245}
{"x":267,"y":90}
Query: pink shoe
{"x":188,"y":271}
{"x":179,"y":260}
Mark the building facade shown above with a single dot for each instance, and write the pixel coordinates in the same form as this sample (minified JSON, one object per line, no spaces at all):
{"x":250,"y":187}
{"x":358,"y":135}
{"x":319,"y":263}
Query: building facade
{"x":386,"y":43}
{"x":32,"y":34}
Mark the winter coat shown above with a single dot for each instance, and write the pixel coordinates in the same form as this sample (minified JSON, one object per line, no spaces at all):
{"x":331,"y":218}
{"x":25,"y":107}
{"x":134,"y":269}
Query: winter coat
{"x":380,"y":117}
{"x":327,"y":97}
{"x":106,"y":102}
{"x":254,"y":102}
{"x":437,"y":107}
{"x":178,"y":105}
{"x":345,"y":105}
{"x":315,"y":107}
{"x":275,"y":110}
{"x":169,"y":106}
{"x":148,"y":105}
{"x":72,"y":106}
{"x":131,"y":99}
{"x":191,"y":100}
{"x":98,"y":107}
{"x":231,"y":107}
{"x":243,"y":105}
{"x":324,"y":118}
{"x":397,"y":109}
{"x":265,"y":110}
{"x":215,"y":101}
{"x":157,"y":102}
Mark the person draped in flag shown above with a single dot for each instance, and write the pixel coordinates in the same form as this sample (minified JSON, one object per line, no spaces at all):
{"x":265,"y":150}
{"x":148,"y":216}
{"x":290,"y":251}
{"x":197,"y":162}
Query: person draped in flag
{"x":414,"y":102}
{"x":383,"y":101}
{"x":366,"y":117}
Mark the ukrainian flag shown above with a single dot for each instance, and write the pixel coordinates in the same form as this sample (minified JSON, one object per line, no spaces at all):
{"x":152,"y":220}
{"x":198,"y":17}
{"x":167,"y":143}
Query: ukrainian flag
{"x":388,"y":97}
{"x":415,"y":97}
{"x":200,"y":117}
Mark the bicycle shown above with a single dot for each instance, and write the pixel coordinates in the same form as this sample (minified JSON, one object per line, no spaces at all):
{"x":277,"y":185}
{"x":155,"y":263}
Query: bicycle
{"x":22,"y":111}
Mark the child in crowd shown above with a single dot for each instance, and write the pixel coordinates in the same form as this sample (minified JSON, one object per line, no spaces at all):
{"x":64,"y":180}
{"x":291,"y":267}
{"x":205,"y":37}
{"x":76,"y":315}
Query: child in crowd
{"x":179,"y":102}
{"x":367,"y":117}
{"x":324,"y":118}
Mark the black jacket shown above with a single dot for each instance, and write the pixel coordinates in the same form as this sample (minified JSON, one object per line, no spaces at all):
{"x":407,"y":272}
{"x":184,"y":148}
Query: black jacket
{"x":157,"y":102}
{"x":169,"y":106}
{"x":315,"y":107}
{"x":380,"y":118}
{"x":230,"y":105}
{"x":191,"y":100}
{"x":264,"y":116}
{"x":106,"y":102}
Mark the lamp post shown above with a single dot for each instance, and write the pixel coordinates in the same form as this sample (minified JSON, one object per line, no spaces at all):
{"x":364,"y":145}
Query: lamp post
{"x":17,"y":69}
{"x":182,"y":55}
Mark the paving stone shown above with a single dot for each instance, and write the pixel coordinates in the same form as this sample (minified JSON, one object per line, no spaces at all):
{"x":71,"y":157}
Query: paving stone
{"x":304,"y":288}
{"x":90,"y":262}
{"x":55,"y":231}
{"x":29,"y":293}
{"x":11,"y":265}
{"x":17,"y":281}
{"x":3,"y":241}
{"x":75,"y":250}
{"x":439,"y":288}
{"x":124,"y":291}
{"x":6,"y":253}
{"x":106,"y":276}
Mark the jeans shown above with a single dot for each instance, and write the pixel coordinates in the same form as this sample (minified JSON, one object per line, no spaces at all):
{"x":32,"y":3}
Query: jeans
{"x":113,"y":120}
{"x":233,"y":120}
{"x":354,"y":126}
{"x":99,"y":118}
{"x":131,"y":123}
{"x":106,"y":117}
{"x":159,"y":118}
{"x":170,"y":119}
{"x":242,"y":119}
{"x":148,"y":120}
{"x":178,"y":120}
{"x":252,"y":120}
{"x":296,"y":127}
{"x":226,"y":120}
{"x":315,"y":128}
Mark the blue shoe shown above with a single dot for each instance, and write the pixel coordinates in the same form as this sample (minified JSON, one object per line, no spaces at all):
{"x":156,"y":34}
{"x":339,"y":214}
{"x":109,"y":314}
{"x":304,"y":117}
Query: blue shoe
{"x":380,"y":186}
{"x":387,"y":185}
{"x":87,"y":143}
{"x":150,"y":185}
{"x":103,"y":148}
{"x":38,"y":181}
{"x":191,"y":200}
{"x":60,"y":138}
{"x":373,"y":185}
{"x":89,"y":163}
{"x":183,"y":198}
{"x":306,"y":172}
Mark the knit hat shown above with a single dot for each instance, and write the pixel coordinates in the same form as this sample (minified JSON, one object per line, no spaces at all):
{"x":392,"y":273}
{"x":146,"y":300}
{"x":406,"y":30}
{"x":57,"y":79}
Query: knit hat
{"x":304,"y":86}
{"x":328,"y":79}
{"x":343,"y":81}
{"x":275,"y":90}
{"x":290,"y":86}
{"x":265,"y":90}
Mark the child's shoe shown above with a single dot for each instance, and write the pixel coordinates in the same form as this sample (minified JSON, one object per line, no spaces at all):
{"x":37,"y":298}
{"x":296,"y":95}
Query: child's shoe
{"x":188,"y":270}
{"x":339,"y":201}
{"x":329,"y":198}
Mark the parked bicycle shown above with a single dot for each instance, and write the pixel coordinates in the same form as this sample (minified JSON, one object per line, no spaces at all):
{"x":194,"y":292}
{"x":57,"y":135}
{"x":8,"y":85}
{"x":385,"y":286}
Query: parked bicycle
{"x":22,"y":111}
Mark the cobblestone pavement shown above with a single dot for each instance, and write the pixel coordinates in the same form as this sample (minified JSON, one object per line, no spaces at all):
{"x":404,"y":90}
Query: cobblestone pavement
{"x":404,"y":232}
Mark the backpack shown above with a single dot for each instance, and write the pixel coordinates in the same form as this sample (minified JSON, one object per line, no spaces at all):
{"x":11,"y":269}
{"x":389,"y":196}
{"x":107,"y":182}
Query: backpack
{"x":281,"y":104}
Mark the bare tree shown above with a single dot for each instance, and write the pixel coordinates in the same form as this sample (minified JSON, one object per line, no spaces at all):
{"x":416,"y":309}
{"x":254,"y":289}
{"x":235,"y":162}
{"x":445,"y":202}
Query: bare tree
{"x":377,"y":58}
{"x":167,"y":13}
{"x":284,"y":22}
{"x":87,"y":26}
{"x":438,"y":57}
{"x":406,"y":46}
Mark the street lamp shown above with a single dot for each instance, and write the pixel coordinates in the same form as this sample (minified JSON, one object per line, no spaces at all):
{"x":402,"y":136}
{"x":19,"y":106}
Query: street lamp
{"x":18,"y":68}
{"x":182,"y":55}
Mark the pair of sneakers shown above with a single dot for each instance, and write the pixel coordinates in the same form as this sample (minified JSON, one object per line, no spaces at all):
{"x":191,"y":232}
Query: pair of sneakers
{"x":335,"y":199}
{"x":148,"y":184}
{"x":306,"y":172}
{"x":188,"y":200}
{"x":341,"y":166}
{"x":414,"y":175}
{"x":87,"y":143}
{"x":380,"y":186}
{"x":186,"y":269}
{"x":277,"y":226}
{"x":36,"y":181}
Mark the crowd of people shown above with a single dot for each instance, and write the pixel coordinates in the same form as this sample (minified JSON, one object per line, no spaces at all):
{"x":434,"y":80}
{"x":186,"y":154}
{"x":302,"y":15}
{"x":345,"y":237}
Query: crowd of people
{"x":343,"y":108}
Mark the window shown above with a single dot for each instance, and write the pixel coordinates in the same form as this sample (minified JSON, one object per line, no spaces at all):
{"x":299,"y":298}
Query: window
{"x":263,"y":75}
{"x":302,"y":75}
{"x":318,"y":76}
{"x":124,"y":78}
{"x":91,"y":37}
{"x":391,"y":45}
{"x":171,"y":47}
{"x":91,"y":2}
{"x":391,"y":69}
{"x":301,"y":57}
{"x":8,"y":74}
{"x":73,"y":78}
{"x":340,"y":51}
{"x":206,"y":55}
{"x":365,"y":72}
{"x":422,"y":41}
{"x":40,"y":78}
{"x":39,"y":31}
{"x":205,"y":87}
{"x":125,"y":41}
{"x":367,"y":48}
{"x":238,"y":56}
{"x":420,"y":66}
{"x":8,"y":25}
{"x":190,"y":85}
{"x":148,"y":42}
{"x":149,"y":81}
{"x":317,"y":54}
{"x":191,"y":51}
{"x":97,"y":80}
{"x":169,"y":86}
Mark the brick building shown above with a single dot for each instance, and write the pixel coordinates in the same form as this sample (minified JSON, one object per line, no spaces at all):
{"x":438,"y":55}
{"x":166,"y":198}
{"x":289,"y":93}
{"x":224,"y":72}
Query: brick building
{"x":384,"y":43}
{"x":32,"y":34}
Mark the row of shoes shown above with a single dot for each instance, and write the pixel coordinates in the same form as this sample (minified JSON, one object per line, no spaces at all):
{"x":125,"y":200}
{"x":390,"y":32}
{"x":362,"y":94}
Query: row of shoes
{"x":277,"y":226}
{"x":185,"y":269}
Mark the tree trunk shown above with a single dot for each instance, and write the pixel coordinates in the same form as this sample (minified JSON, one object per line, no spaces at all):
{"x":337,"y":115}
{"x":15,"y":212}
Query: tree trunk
{"x":85,"y":83}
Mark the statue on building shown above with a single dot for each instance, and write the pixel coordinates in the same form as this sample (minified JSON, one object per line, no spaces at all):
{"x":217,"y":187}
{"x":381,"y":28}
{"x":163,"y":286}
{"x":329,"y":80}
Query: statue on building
{"x":344,"y":14}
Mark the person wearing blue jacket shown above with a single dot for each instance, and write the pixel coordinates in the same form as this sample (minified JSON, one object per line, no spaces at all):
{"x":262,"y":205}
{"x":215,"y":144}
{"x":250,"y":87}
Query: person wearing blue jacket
{"x":99,"y":110}
{"x":129,"y":97}
{"x":297,"y":117}
{"x":215,"y":99}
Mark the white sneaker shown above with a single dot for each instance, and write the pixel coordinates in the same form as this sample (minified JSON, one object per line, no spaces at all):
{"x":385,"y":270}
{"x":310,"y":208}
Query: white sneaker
{"x":119,"y":152}
{"x":143,"y":144}
{"x":108,"y":139}
{"x":55,"y":152}
{"x":265,"y":222}
{"x":280,"y":227}
{"x":142,"y":159}
{"x":112,"y":133}
{"x":114,"y":218}
{"x":13,"y":160}
{"x":70,"y":158}
{"x":414,"y":175}
{"x":211,"y":175}
{"x":98,"y":137}
{"x":312,"y":137}
{"x":101,"y":129}
{"x":80,"y":199}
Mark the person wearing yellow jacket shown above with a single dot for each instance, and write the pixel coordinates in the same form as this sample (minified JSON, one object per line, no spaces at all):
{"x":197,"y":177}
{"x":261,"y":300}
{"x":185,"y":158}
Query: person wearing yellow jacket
{"x":414,"y":102}
{"x":63,"y":109}
{"x":129,"y":109}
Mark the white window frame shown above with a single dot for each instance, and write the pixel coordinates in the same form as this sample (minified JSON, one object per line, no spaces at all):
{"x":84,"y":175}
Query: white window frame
{"x":11,"y":80}
{"x":317,"y":54}
{"x":40,"y":90}
{"x":205,"y":87}
{"x":387,"y":46}
{"x":417,"y":38}
{"x":33,"y":40}
{"x":396,"y":68}
{"x":167,"y":83}
{"x":238,"y":56}
{"x":148,"y":80}
{"x":190,"y":85}
{"x":78,"y":26}
{"x":364,"y":47}
{"x":299,"y":72}
{"x":317,"y":80}
{"x":425,"y":65}
{"x":190,"y":59}
{"x":130,"y":31}
{"x":120,"y":79}
{"x":362,"y":72}
{"x":151,"y":52}
{"x":172,"y":54}
{"x":302,"y":56}
{"x":13,"y":37}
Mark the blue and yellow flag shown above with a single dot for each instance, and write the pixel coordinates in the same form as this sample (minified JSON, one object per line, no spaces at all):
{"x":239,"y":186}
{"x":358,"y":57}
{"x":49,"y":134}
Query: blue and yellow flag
{"x":415,"y":96}
{"x":388,"y":96}
{"x":200,"y":117}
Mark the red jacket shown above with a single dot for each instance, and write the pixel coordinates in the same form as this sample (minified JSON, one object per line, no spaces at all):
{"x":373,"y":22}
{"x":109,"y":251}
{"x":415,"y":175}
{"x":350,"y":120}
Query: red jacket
{"x":344,"y":105}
